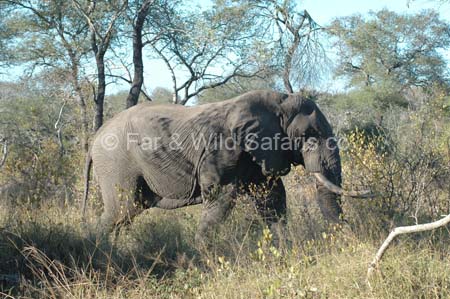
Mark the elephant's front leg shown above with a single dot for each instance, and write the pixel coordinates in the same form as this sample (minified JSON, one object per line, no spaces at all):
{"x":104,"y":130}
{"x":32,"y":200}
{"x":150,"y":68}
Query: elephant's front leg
{"x":217,"y":203}
{"x":271,"y":205}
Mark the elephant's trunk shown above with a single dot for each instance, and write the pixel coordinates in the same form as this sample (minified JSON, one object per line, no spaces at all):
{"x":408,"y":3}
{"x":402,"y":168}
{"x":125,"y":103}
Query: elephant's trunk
{"x":325,"y":164}
{"x":330,"y":169}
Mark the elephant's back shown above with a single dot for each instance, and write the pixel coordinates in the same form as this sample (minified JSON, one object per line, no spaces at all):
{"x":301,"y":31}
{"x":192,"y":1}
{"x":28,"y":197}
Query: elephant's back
{"x":157,"y":142}
{"x":178,"y":112}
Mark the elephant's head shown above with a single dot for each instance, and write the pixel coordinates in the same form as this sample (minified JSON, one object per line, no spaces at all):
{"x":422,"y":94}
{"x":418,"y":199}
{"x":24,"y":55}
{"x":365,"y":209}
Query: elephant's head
{"x":316,"y":148}
{"x":310,"y":137}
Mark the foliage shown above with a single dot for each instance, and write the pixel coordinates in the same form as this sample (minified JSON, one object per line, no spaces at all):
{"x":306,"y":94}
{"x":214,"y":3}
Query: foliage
{"x":42,"y":133}
{"x":162,"y":95}
{"x":46,"y":34}
{"x":298,"y":53}
{"x":237,"y":87}
{"x":389,"y":49}
{"x":222,"y":48}
{"x":407,"y":166}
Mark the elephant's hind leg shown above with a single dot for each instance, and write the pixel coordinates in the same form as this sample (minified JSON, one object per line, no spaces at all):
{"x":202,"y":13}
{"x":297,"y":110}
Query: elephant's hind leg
{"x":118,"y":199}
{"x":139,"y":198}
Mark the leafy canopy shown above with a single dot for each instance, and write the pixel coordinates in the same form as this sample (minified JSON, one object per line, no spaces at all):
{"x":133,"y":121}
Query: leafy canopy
{"x":396,"y":50}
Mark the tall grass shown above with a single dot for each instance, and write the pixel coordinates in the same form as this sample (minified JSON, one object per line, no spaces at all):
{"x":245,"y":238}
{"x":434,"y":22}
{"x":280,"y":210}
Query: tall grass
{"x":46,"y":252}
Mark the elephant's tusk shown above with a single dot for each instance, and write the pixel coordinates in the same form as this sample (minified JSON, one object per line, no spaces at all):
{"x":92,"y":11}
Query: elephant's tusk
{"x":338,"y":190}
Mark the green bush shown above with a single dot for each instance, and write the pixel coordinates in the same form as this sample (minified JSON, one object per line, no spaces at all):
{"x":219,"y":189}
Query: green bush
{"x":40,"y":163}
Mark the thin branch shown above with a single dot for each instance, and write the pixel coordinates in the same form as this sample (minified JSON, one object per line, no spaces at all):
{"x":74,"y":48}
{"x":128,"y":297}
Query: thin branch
{"x":5,"y":152}
{"x":58,"y":127}
{"x":119,"y":77}
{"x":86,"y":14}
{"x":172,"y":72}
{"x":225,"y":80}
{"x":109,"y":31}
{"x":124,"y":65}
{"x":58,"y":121}
{"x":147,"y":97}
{"x":34,"y":10}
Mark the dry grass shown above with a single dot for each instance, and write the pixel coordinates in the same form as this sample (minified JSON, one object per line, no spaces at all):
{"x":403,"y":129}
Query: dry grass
{"x":45,"y":252}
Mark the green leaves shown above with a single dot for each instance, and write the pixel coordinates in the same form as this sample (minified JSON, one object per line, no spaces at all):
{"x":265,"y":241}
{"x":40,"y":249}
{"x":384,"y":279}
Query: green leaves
{"x":390,"y":49}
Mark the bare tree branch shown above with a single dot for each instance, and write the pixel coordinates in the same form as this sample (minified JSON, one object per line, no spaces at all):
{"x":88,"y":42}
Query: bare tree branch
{"x":172,"y":72}
{"x":224,"y":81}
{"x":58,"y":127}
{"x":147,"y":97}
{"x":400,"y":231}
{"x":118,"y":77}
{"x":4,"y":152}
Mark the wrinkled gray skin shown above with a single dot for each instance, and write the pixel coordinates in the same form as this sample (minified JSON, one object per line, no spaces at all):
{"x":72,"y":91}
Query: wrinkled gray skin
{"x":179,"y":172}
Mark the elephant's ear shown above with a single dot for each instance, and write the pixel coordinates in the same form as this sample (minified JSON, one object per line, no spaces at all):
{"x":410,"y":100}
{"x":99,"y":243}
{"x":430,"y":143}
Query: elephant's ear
{"x":258,"y":132}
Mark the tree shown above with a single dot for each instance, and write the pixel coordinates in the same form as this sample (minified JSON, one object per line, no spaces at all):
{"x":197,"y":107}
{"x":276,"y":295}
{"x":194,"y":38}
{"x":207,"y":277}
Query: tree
{"x":39,"y":127}
{"x":101,"y":18}
{"x":49,"y":35}
{"x":298,"y":55}
{"x":6,"y":34}
{"x":162,"y":95}
{"x":138,"y":21}
{"x":236,"y":87}
{"x":206,"y":50}
{"x":143,"y":26}
{"x":390,"y":49}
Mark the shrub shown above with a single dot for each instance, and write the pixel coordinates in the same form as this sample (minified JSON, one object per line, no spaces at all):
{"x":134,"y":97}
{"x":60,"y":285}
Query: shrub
{"x":406,"y":166}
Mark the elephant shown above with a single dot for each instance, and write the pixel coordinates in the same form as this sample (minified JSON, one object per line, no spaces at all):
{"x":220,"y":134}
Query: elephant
{"x":161,"y":155}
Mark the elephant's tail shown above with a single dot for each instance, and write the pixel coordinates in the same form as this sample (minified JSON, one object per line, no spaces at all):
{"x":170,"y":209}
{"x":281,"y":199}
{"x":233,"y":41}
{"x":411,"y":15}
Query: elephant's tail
{"x":87,"y":171}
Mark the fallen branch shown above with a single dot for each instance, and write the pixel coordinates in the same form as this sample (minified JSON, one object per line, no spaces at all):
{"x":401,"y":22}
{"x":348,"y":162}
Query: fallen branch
{"x":400,"y":231}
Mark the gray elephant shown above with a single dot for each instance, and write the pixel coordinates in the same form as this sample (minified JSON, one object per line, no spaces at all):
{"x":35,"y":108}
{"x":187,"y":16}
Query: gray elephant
{"x":170,"y":156}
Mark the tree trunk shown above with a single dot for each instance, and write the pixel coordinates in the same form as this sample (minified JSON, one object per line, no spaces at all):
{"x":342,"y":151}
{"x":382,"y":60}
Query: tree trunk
{"x":138,"y":76}
{"x":84,"y":120}
{"x":288,"y":65}
{"x":4,"y":152}
{"x":101,"y":88}
{"x":81,"y":100}
{"x":84,"y":124}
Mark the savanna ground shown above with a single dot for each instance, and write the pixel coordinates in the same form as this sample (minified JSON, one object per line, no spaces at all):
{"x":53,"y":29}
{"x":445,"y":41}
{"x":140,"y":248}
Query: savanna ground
{"x":48,"y":252}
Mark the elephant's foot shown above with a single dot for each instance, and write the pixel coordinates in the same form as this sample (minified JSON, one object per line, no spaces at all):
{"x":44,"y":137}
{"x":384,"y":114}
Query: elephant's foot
{"x":201,"y":241}
{"x":112,"y":221}
{"x":127,"y":217}
{"x":279,"y":237}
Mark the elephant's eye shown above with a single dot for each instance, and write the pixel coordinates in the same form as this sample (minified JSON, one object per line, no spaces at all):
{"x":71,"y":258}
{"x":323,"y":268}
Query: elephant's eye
{"x":307,"y":108}
{"x":310,"y":132}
